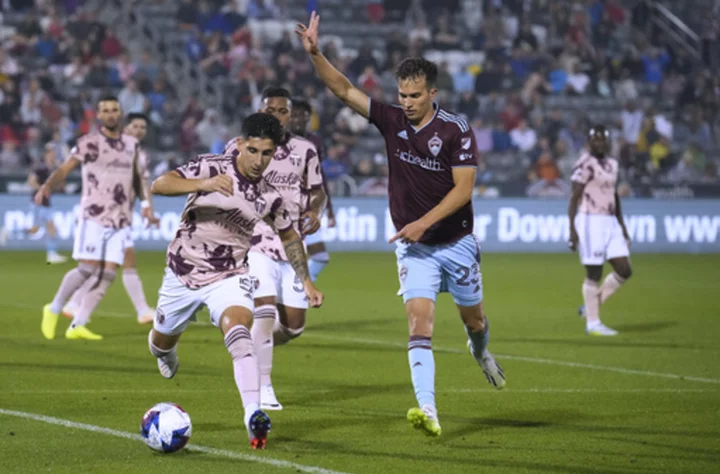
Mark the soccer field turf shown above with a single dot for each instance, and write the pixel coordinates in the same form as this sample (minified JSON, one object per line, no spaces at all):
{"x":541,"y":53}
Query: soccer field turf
{"x":647,"y":401}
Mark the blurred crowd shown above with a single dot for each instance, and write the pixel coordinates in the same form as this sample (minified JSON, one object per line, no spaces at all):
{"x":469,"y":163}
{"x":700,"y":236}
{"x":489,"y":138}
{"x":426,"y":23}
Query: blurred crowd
{"x":529,"y":75}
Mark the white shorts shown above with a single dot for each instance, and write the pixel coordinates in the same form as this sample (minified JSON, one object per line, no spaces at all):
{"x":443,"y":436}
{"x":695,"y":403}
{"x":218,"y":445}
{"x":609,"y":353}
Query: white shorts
{"x":600,"y":238}
{"x":178,"y":304}
{"x":129,"y":241}
{"x":95,"y":242}
{"x":277,"y":279}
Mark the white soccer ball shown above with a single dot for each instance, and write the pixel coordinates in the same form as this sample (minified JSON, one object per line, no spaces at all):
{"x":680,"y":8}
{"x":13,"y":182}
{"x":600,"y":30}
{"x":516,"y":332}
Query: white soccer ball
{"x":166,"y":428}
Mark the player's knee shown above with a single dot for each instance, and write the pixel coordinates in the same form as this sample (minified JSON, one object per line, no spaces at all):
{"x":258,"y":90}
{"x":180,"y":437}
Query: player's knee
{"x":420,"y":312}
{"x":624,"y":271}
{"x":160,"y":344}
{"x":594,"y":272}
{"x":284,"y":334}
{"x":235,"y":316}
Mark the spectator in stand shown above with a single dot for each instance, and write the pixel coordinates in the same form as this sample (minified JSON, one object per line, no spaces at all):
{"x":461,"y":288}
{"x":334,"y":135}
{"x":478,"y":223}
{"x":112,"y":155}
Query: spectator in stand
{"x":32,"y":101}
{"x":10,"y":158}
{"x":131,"y":99}
{"x":558,"y":79}
{"x":578,"y":81}
{"x":655,"y":62}
{"x":523,"y":137}
{"x":210,"y":130}
{"x":444,"y":37}
{"x":332,"y":166}
{"x":483,"y":136}
{"x":75,"y":72}
{"x":187,"y":15}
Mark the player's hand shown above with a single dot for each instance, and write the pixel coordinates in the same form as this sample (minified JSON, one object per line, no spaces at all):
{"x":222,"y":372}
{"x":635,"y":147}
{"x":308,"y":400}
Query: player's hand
{"x":573,"y":243}
{"x":221,"y":183}
{"x":331,"y":222}
{"x":42,"y":193}
{"x":410,"y":234}
{"x":309,"y":34}
{"x":315,"y":296}
{"x":148,"y":215}
{"x":311,"y":222}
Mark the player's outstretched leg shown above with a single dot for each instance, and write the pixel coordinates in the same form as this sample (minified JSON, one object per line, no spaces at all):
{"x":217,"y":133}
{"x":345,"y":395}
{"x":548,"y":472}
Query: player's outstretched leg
{"x":70,"y":283}
{"x":591,"y":298}
{"x":164,"y":348}
{"x":134,"y":288}
{"x":477,"y":328}
{"x":234,"y":324}
{"x":78,"y":330}
{"x":265,"y":316}
{"x":421,"y":314}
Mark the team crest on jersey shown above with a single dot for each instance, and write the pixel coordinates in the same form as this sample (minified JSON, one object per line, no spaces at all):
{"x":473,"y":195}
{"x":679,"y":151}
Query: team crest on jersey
{"x":403,"y":272}
{"x":260,"y":204}
{"x":435,"y":144}
{"x":295,"y":159}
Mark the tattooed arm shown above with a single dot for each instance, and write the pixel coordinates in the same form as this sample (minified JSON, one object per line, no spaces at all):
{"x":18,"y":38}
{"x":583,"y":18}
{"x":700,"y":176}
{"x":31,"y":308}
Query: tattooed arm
{"x":295,"y":251}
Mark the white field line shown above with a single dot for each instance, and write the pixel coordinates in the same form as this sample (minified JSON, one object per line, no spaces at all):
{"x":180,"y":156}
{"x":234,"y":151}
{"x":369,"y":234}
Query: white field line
{"x":376,"y":342}
{"x":194,"y":447}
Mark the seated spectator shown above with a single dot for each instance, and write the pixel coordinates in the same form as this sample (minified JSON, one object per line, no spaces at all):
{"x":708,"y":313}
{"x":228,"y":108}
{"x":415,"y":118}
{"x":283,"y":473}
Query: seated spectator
{"x":444,"y":37}
{"x":75,"y":72}
{"x":526,"y":38}
{"x":547,"y":181}
{"x":10,"y":157}
{"x":468,"y":106}
{"x":603,"y":86}
{"x":523,"y":137}
{"x":654,"y":63}
{"x":31,"y":106}
{"x":691,"y":166}
{"x":558,"y":79}
{"x":463,"y":80}
{"x":187,"y":14}
{"x":660,"y":154}
{"x":262,"y":9}
{"x":332,"y":166}
{"x":483,"y":136}
{"x":578,"y":81}
{"x":131,"y":99}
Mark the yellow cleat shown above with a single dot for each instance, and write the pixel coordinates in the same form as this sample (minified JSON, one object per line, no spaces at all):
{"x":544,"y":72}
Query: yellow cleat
{"x":421,"y":421}
{"x":81,"y":332}
{"x":49,"y":322}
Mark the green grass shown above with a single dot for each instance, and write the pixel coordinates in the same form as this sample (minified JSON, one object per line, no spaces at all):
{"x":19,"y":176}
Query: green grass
{"x":345,"y":384}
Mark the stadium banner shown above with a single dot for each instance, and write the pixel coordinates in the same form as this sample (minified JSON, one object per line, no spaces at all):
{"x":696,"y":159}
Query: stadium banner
{"x":502,"y":225}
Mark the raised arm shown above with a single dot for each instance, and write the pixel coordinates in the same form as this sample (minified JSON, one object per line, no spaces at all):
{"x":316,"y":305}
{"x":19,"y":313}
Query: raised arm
{"x":58,"y":176}
{"x":333,"y":79}
{"x":173,"y":183}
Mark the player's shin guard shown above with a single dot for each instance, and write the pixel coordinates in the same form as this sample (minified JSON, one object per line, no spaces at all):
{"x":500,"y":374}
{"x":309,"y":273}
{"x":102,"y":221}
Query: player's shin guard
{"x":134,"y":288}
{"x":245,"y":367}
{"x":93,"y":297}
{"x":479,"y":340}
{"x":262,"y":336}
{"x":610,"y":285}
{"x":591,"y":297}
{"x":316,"y":264}
{"x":283,"y":334}
{"x":70,"y":283}
{"x":422,"y":369}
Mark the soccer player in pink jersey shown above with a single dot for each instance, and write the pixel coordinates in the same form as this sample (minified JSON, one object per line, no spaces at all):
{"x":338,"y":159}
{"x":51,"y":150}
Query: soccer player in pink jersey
{"x":111,"y":173}
{"x":280,"y":302}
{"x":597,"y":228}
{"x":207,"y":259}
{"x":432,"y":159}
{"x":317,"y":253}
{"x":137,"y":127}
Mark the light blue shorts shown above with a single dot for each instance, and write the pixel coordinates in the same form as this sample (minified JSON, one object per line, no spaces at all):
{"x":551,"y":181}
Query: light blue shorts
{"x":41,"y":215}
{"x":426,"y":270}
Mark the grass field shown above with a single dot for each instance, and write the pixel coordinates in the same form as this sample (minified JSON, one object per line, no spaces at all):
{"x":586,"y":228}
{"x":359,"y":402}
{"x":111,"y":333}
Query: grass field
{"x":647,"y":401}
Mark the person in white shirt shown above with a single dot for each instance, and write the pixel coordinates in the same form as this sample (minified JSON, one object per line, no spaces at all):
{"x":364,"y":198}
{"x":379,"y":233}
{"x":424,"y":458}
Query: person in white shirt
{"x":578,"y":81}
{"x":631,"y":122}
{"x":523,"y":137}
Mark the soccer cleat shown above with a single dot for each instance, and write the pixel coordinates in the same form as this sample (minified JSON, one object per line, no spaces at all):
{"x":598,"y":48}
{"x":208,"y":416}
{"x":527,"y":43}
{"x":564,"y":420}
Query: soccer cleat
{"x":491,"y":369}
{"x":258,"y":427}
{"x":147,"y":317}
{"x":268,"y":400}
{"x":599,"y":329}
{"x":68,"y":311}
{"x":54,"y":257}
{"x":581,"y":311}
{"x":81,"y":332}
{"x":425,"y":419}
{"x":49,"y":322}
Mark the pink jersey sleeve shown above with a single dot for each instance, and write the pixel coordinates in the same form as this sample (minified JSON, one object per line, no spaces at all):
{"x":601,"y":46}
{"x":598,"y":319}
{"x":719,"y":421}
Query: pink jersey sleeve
{"x":582,"y":171}
{"x":201,"y":167}
{"x":313,"y":177}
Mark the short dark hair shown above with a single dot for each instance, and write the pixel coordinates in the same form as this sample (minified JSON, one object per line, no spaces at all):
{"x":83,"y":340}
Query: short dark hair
{"x":414,"y":68}
{"x":107,"y":98}
{"x":302,"y":104}
{"x":260,"y":125}
{"x":275,"y":91}
{"x":137,"y":116}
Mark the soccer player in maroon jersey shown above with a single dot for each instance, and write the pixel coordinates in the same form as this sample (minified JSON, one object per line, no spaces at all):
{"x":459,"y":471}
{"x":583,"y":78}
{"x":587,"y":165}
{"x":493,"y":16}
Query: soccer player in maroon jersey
{"x":317,"y":253}
{"x":432,"y":161}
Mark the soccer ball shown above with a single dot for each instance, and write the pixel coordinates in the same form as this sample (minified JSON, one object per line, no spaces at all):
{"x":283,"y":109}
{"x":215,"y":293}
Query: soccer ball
{"x":166,"y":428}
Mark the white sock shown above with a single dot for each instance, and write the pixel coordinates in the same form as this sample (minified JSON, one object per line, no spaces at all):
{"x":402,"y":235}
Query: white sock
{"x":262,"y":336}
{"x":591,"y":296}
{"x":610,"y":285}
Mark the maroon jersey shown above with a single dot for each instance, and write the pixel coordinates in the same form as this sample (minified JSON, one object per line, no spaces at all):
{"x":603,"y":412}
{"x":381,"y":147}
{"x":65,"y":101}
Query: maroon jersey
{"x":420,"y":163}
{"x":317,"y":141}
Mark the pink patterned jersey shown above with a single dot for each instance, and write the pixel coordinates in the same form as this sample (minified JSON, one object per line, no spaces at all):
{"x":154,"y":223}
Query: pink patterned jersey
{"x":599,"y":175}
{"x":214,"y":233}
{"x":107,"y":178}
{"x":143,"y":164}
{"x":294,"y":172}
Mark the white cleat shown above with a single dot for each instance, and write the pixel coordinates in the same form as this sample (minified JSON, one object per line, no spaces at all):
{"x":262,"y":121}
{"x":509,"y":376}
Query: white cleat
{"x":167,"y":365}
{"x":147,"y":317}
{"x":599,"y":329}
{"x":54,"y":257}
{"x":492,"y":370}
{"x":268,"y":400}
